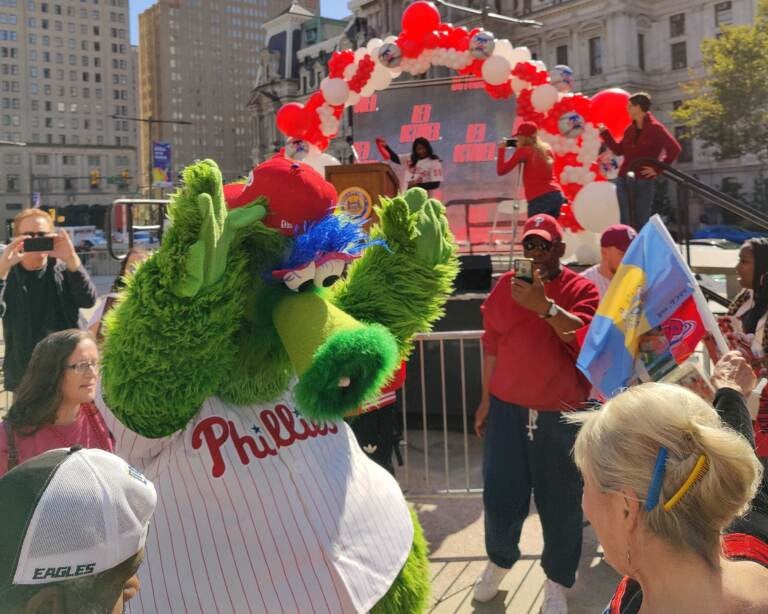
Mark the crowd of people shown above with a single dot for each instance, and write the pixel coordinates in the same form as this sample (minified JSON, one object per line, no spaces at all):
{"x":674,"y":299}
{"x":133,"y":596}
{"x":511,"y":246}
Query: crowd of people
{"x":664,"y":478}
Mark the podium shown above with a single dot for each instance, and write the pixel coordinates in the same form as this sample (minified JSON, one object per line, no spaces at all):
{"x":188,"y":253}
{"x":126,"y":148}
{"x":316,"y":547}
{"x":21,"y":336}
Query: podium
{"x":359,"y":187}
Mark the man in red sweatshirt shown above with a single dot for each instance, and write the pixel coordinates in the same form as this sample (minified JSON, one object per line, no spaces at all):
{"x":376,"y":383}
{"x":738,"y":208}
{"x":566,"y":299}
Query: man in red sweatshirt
{"x":529,"y":379}
{"x":645,"y":137}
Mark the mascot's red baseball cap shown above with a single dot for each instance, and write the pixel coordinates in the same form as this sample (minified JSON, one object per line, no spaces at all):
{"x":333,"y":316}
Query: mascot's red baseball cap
{"x":296,"y":193}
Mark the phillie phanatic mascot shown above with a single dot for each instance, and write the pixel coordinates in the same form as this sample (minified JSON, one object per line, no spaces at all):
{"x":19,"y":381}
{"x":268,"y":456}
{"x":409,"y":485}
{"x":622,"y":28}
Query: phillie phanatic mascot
{"x":227,"y":369}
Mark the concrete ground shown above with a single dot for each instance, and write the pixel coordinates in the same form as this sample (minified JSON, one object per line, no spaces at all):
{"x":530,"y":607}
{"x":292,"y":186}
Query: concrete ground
{"x":453,"y":524}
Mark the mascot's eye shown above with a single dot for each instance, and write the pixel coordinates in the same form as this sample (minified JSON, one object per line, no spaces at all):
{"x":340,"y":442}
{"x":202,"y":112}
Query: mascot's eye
{"x":329,"y":271}
{"x":300,"y":279}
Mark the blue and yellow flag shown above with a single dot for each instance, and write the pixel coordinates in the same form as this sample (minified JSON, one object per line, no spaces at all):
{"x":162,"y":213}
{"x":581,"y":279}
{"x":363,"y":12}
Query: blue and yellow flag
{"x":649,"y":312}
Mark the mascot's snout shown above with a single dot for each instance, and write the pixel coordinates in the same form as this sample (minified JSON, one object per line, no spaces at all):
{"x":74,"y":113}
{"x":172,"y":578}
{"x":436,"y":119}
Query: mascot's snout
{"x":341,"y":362}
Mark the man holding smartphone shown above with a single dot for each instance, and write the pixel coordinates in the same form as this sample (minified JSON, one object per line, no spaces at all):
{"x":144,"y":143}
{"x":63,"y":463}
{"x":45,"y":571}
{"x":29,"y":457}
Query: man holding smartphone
{"x":529,"y":379}
{"x":42,"y":286}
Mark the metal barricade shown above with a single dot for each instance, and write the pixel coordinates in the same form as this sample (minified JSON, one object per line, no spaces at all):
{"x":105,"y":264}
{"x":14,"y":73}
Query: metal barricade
{"x":416,"y":475}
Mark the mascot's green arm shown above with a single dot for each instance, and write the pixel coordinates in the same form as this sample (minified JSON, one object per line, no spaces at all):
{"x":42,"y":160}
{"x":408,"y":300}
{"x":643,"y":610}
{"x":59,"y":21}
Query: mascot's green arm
{"x":172,"y":339}
{"x":403,"y":285}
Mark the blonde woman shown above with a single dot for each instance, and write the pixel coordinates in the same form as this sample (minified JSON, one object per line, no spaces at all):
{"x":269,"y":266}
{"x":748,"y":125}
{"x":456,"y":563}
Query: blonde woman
{"x":664,"y":478}
{"x":541,"y":188}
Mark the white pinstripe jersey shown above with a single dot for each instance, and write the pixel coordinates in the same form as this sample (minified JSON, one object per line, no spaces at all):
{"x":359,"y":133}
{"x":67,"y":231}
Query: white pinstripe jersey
{"x":260,"y":510}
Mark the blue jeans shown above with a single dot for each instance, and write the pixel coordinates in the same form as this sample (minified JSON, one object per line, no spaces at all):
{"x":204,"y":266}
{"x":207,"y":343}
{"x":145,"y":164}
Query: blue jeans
{"x":548,"y":203}
{"x":643,"y":193}
{"x":513,"y":466}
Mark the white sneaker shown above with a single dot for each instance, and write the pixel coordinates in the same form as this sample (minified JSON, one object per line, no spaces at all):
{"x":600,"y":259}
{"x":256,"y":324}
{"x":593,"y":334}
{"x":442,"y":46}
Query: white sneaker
{"x":487,"y":585}
{"x":554,"y":599}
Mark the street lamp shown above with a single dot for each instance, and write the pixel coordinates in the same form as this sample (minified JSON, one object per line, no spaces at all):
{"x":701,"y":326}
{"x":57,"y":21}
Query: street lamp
{"x":151,"y":120}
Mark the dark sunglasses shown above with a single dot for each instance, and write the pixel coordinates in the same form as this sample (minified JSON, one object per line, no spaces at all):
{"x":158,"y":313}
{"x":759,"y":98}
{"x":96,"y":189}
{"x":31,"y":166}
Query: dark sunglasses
{"x":36,"y":235}
{"x":530,"y":245}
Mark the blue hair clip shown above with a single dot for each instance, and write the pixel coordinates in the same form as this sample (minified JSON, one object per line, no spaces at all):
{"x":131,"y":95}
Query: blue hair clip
{"x":654,"y":491}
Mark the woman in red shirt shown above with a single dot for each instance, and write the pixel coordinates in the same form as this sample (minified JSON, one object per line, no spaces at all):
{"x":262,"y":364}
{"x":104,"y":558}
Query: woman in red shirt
{"x":54,"y":405}
{"x":541,"y":189}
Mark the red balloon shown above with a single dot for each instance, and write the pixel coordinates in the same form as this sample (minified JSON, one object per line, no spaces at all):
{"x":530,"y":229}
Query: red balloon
{"x":460,"y":39}
{"x":420,"y":18}
{"x":609,"y":107}
{"x":293,"y":119}
{"x":432,"y":40}
{"x":410,"y":46}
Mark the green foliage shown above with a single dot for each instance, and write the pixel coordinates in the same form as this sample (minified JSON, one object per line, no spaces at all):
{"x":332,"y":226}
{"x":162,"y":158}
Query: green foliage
{"x":404,"y":284}
{"x":728,"y":108}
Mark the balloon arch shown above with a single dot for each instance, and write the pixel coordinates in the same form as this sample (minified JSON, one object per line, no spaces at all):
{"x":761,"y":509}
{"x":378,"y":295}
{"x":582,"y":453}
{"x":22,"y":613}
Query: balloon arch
{"x":567,"y":121}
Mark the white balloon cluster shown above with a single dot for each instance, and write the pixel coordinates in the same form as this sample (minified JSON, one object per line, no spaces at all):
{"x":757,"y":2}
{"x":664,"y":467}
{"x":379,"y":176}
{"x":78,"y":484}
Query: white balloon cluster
{"x":590,"y":145}
{"x":577,"y":174}
{"x":301,"y":151}
{"x":560,"y":145}
{"x":329,"y":125}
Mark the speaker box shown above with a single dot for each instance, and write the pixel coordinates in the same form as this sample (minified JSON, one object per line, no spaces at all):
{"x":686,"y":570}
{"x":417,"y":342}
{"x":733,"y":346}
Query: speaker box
{"x":475,"y":275}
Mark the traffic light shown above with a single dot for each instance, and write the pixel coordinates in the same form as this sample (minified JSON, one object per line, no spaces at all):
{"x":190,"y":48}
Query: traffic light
{"x":95,"y":178}
{"x":124,"y":179}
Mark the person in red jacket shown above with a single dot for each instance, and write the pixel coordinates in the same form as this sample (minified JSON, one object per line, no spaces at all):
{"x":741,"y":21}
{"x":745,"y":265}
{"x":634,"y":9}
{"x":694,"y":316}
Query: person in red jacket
{"x":529,"y":379}
{"x":541,"y":189}
{"x":645,"y":137}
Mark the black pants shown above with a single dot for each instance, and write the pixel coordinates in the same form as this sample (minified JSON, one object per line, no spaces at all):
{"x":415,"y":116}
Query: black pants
{"x":527,"y":451}
{"x":375,"y":432}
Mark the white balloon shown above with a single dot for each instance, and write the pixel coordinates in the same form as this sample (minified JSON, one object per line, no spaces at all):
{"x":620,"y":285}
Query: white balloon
{"x":368,"y":90}
{"x":361,"y":53}
{"x":496,"y":70}
{"x":518,"y":85}
{"x":374,"y":44}
{"x":319,"y":161}
{"x":390,"y":39}
{"x":519,"y":54}
{"x":380,"y":78}
{"x":539,"y":64}
{"x":350,"y":71}
{"x":543,"y":97}
{"x":570,"y":241}
{"x":596,"y":206}
{"x":335,"y":91}
{"x":504,"y":49}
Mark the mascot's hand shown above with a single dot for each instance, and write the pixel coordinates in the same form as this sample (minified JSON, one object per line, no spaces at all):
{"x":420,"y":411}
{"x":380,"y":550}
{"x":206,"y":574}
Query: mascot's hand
{"x":215,"y":228}
{"x":433,"y":241}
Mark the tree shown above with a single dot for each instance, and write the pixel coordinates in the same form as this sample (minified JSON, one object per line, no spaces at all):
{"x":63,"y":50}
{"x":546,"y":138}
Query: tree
{"x":728,"y":108}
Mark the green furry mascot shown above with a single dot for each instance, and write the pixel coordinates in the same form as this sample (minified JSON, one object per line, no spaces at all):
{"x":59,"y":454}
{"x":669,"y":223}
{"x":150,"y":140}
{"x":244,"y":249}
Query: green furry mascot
{"x":228,"y":366}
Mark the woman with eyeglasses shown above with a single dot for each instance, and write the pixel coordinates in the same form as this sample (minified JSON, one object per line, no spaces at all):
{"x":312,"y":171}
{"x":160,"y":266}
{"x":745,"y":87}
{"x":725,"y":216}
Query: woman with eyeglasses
{"x":54,"y":405}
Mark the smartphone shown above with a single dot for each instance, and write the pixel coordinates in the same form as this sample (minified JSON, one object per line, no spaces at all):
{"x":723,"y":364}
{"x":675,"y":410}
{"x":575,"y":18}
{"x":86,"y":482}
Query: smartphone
{"x":524,"y":269}
{"x":38,"y":244}
{"x":510,"y":142}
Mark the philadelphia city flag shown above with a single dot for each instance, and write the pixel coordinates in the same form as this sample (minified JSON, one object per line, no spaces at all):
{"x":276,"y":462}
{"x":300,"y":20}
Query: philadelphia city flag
{"x":655,"y":292}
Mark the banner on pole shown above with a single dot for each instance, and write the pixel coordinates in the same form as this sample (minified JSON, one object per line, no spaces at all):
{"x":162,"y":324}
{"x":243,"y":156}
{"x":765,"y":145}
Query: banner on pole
{"x":161,"y":165}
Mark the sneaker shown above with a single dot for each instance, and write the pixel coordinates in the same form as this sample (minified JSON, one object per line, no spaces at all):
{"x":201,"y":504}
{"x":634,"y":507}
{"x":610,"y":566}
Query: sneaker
{"x":487,"y":584}
{"x":554,"y":599}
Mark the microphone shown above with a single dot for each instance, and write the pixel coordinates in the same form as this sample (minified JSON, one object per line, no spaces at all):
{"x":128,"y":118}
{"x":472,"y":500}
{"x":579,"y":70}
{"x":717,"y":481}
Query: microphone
{"x":354,"y":158}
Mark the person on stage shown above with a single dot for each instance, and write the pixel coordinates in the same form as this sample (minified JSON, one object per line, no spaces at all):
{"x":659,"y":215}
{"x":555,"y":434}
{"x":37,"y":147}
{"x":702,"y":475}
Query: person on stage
{"x":423,"y":168}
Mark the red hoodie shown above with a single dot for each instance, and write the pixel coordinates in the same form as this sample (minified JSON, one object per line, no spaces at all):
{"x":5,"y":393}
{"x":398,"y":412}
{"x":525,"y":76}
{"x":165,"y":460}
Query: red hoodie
{"x":534,"y":367}
{"x":647,"y":142}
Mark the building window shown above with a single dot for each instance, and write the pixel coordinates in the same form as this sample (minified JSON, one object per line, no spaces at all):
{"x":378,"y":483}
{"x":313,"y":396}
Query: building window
{"x":677,"y":25}
{"x":42,"y":159}
{"x":595,"y":56}
{"x":12,"y":183}
{"x":561,"y":54}
{"x":723,"y":14}
{"x":679,"y":55}
{"x":641,"y":50}
{"x":683,"y":136}
{"x":70,"y":184}
{"x":68,"y":160}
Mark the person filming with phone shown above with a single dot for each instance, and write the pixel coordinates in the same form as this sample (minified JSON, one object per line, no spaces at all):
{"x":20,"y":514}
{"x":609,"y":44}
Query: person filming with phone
{"x":541,"y":188}
{"x":42,"y":286}
{"x":530,"y":380}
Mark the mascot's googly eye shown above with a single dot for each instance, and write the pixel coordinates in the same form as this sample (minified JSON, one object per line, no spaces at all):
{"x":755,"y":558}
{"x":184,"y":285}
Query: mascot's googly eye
{"x":300,"y":279}
{"x":329,"y":271}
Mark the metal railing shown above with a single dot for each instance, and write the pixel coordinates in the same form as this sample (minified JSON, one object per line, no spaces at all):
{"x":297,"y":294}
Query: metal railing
{"x":416,"y":476}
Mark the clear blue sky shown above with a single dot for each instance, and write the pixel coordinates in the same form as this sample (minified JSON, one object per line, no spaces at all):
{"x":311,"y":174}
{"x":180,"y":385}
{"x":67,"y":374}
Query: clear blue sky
{"x":328,"y":8}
